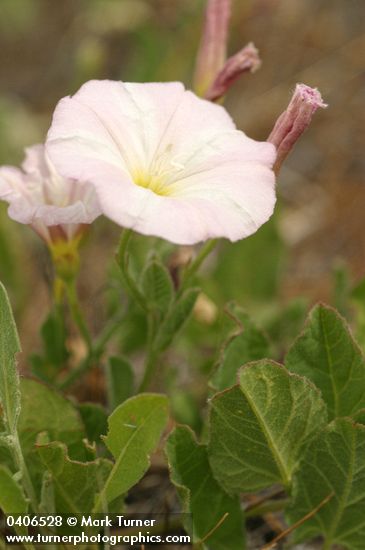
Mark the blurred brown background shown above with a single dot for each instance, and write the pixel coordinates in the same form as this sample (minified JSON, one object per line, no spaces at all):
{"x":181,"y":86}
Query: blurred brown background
{"x":48,"y":48}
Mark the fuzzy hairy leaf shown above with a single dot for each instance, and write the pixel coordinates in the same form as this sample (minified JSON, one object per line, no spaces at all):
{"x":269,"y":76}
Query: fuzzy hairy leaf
{"x":259,"y":427}
{"x":12,"y":499}
{"x":9,"y":379}
{"x":75,"y":483}
{"x":45,"y":410}
{"x":135,"y":428}
{"x":333,"y":464}
{"x":327,"y":354}
{"x":157,"y":286}
{"x":201,"y":495}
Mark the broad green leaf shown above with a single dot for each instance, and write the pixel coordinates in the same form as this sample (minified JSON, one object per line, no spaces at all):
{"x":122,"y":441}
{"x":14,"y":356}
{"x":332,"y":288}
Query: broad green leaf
{"x":6,"y":454}
{"x":9,"y":380}
{"x":45,"y":410}
{"x":75,"y":483}
{"x":95,"y":420}
{"x":135,"y":428}
{"x":259,"y":427}
{"x":333,"y":464}
{"x":12,"y":499}
{"x":177,"y":316}
{"x":201,"y":495}
{"x":120,"y":380}
{"x":247,"y":343}
{"x":157,"y":286}
{"x":327,"y":354}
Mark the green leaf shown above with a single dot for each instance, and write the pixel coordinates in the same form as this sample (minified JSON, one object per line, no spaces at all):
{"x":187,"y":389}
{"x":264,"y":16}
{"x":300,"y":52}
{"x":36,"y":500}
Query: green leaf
{"x":247,"y":343}
{"x":334,"y":463}
{"x":259,"y":427}
{"x":201,"y":495}
{"x":120,"y":380}
{"x":95,"y":420}
{"x":135,"y":428}
{"x":12,"y":499}
{"x":9,"y":380}
{"x":176,"y":317}
{"x":157,"y":286}
{"x":45,"y":410}
{"x":327,"y":354}
{"x":75,"y":483}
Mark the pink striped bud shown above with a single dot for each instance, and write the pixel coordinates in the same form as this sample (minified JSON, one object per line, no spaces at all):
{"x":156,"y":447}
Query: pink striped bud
{"x":294,"y":121}
{"x":246,"y":60}
{"x":213,"y":46}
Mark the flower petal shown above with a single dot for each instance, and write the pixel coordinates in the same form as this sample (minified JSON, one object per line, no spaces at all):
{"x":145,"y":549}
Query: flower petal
{"x":163,"y":161}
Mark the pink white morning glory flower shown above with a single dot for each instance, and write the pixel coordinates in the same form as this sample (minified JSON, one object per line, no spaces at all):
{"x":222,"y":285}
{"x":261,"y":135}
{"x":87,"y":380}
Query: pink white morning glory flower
{"x":163,"y":161}
{"x":56,"y":208}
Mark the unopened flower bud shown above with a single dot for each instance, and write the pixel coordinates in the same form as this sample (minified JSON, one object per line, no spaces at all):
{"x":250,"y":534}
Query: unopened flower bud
{"x":246,"y":60}
{"x":294,"y":121}
{"x":213,"y":46}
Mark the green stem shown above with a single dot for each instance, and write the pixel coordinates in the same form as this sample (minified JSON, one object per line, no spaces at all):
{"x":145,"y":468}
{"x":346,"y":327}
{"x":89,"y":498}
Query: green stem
{"x":153,"y":353}
{"x":77,"y":314}
{"x":122,"y":259}
{"x":26,"y":479}
{"x":58,"y":289}
{"x":191,"y":270}
{"x":98,"y":349}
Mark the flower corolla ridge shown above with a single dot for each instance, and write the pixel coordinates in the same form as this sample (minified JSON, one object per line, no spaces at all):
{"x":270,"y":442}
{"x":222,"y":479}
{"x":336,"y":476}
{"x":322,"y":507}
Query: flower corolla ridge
{"x":55,"y":207}
{"x":163,"y":161}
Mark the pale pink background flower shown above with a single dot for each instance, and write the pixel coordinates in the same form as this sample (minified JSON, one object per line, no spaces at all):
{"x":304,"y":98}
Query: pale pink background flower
{"x":163,"y":161}
{"x":55,"y":207}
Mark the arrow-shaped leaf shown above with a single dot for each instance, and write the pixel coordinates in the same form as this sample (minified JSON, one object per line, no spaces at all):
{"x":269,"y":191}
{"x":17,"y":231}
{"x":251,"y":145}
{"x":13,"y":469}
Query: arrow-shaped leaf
{"x":135,"y":428}
{"x":201,"y":495}
{"x":9,"y":380}
{"x":259,"y":427}
{"x":75,"y":483}
{"x":327,"y":354}
{"x":333,"y":464}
